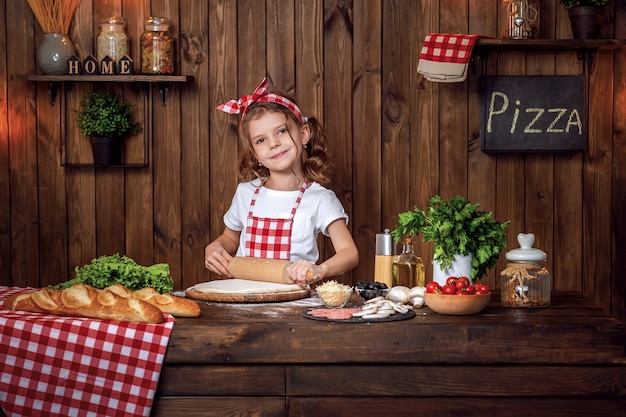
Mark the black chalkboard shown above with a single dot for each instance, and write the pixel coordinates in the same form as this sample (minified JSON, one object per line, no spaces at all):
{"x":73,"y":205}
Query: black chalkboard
{"x":533,"y":114}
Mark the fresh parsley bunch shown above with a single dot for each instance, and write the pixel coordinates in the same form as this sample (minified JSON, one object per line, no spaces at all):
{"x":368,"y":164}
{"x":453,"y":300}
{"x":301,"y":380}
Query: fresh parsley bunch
{"x":456,"y":227}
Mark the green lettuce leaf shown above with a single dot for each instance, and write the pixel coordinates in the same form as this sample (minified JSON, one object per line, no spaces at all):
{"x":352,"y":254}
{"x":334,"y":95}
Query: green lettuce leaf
{"x":115,"y":269}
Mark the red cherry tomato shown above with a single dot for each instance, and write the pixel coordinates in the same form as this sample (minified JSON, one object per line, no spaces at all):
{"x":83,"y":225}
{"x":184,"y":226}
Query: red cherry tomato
{"x":470,"y":290}
{"x":482,"y":287}
{"x":460,"y":284}
{"x":451,"y":280}
{"x":449,"y":289}
{"x":432,"y":287}
{"x":465,"y":280}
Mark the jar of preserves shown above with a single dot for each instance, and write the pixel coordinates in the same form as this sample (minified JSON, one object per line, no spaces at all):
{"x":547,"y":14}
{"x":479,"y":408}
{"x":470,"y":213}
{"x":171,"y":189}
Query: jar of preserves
{"x":157,"y":47}
{"x":525,"y":282}
{"x":112,"y":39}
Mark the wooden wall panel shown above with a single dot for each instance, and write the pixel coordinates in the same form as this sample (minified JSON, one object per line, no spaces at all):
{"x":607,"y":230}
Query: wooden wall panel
{"x":5,"y":192}
{"x":366,"y":220}
{"x":194,"y":140}
{"x":23,"y":258}
{"x":397,"y":176}
{"x":166,"y":137}
{"x":81,"y":182}
{"x":222,"y":169}
{"x":139,"y":192}
{"x":338,"y":93}
{"x":567,"y":249}
{"x":396,"y":139}
{"x":453,"y":18}
{"x":597,"y":183}
{"x":281,"y":44}
{"x":424,"y":108}
{"x":618,"y":200}
{"x":483,"y":19}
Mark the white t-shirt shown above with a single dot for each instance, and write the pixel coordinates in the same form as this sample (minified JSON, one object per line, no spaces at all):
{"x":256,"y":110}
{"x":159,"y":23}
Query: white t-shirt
{"x":318,"y":208}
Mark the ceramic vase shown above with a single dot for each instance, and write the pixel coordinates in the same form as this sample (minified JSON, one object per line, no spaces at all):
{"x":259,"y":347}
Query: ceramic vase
{"x":54,"y":51}
{"x":461,"y":267}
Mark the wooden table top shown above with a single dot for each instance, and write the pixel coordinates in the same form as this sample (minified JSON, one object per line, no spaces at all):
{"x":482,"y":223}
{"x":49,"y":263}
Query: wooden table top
{"x":571,"y":331}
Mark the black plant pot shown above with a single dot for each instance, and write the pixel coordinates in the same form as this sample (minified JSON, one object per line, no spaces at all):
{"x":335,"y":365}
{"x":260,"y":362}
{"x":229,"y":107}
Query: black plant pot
{"x":106,"y":151}
{"x":586,"y":21}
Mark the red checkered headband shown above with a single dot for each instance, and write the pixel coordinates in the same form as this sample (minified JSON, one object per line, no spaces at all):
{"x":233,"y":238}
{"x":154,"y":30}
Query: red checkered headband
{"x":260,"y":94}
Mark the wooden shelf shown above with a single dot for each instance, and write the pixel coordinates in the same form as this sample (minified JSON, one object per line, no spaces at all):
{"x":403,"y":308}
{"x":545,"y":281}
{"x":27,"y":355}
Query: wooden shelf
{"x":107,"y":78}
{"x":585,"y":48}
{"x":145,"y":80}
{"x":549,"y":44}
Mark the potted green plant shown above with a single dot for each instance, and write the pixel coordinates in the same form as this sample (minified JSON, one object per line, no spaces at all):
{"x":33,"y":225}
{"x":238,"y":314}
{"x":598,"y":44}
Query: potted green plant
{"x":106,"y":118}
{"x":457,"y":228}
{"x":586,"y":17}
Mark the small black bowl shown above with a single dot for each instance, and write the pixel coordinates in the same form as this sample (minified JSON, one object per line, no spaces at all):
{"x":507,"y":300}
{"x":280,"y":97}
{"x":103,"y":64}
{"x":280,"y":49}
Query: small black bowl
{"x":369,"y":290}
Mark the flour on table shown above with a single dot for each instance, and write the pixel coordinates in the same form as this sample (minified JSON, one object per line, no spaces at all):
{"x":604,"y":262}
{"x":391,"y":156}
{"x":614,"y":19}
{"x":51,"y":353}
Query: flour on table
{"x":243,"y":286}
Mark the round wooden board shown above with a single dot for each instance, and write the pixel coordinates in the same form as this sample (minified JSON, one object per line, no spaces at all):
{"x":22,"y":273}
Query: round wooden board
{"x":248,"y":298}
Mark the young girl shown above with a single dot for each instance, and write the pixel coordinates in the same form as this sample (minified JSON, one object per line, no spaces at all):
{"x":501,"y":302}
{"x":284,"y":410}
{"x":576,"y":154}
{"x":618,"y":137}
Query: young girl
{"x":282,"y":205}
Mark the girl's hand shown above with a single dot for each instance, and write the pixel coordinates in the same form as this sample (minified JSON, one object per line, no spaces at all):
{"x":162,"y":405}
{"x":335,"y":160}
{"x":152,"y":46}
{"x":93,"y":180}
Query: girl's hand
{"x":216,"y":259}
{"x":217,"y":254}
{"x":298,"y":271}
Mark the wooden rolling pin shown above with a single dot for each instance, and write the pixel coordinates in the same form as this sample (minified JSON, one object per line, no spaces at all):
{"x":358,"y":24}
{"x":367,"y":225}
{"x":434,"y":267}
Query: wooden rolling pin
{"x":261,"y":269}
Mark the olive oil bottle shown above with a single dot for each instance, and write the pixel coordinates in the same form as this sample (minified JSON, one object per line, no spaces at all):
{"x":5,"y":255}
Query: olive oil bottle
{"x":408,"y":268}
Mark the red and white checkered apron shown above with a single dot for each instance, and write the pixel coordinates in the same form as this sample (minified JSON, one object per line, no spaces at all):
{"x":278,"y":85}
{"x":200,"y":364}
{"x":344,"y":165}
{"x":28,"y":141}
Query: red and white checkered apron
{"x":268,"y":237}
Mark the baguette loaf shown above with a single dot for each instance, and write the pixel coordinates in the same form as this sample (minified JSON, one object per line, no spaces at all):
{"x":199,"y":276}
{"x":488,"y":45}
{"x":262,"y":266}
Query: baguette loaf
{"x":176,"y":306}
{"x":82,"y":300}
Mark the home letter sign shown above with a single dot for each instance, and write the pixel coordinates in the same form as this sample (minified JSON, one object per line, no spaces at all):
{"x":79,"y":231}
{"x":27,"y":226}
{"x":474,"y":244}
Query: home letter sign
{"x":533,"y":114}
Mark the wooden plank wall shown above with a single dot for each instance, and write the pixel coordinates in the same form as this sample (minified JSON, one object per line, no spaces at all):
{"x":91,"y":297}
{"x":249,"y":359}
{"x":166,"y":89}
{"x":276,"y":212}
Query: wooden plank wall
{"x":396,"y":139}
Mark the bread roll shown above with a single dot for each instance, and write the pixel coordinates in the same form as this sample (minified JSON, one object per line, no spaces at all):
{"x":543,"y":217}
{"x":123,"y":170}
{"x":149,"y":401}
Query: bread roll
{"x":176,"y":306}
{"x":82,"y":300}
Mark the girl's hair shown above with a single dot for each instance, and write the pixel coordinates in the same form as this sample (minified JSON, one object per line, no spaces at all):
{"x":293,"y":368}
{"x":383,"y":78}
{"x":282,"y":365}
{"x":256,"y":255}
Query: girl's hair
{"x":315,"y":163}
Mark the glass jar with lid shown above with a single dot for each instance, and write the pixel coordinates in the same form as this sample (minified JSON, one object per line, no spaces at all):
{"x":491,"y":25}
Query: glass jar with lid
{"x":525,"y":282}
{"x":112,"y":39}
{"x":157,"y":47}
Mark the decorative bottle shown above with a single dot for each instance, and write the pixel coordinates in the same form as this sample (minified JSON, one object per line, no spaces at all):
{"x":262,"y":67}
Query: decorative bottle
{"x":408,"y":268}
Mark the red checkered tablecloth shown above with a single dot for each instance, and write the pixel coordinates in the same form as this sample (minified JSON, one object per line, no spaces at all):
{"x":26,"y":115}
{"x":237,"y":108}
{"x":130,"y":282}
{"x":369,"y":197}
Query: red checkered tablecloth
{"x":68,"y":366}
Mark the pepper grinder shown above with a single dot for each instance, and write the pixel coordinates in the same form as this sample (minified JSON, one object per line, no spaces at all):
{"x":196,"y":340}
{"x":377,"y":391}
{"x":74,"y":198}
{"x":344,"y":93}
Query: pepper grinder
{"x":384,"y":258}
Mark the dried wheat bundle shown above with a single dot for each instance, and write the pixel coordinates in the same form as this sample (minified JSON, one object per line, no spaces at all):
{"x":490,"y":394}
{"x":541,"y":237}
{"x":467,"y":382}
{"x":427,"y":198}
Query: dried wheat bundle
{"x":54,"y":16}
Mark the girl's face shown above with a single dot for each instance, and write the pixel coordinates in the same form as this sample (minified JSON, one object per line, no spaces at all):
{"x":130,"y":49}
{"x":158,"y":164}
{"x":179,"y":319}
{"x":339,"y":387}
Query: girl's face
{"x":277,"y":141}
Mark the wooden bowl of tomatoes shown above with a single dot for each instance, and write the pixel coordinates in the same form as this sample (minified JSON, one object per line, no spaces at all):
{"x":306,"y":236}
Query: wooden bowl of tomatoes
{"x":458,"y":297}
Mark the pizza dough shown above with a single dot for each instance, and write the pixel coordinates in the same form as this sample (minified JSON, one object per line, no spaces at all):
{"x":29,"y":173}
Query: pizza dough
{"x":244,"y":286}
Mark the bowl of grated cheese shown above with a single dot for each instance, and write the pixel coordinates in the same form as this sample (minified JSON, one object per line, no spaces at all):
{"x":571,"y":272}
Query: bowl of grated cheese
{"x":334,"y":294}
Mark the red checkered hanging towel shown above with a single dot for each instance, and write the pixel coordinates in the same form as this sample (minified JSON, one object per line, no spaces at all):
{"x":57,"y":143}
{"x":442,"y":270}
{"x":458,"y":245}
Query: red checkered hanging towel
{"x":268,"y":237}
{"x":445,"y":57}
